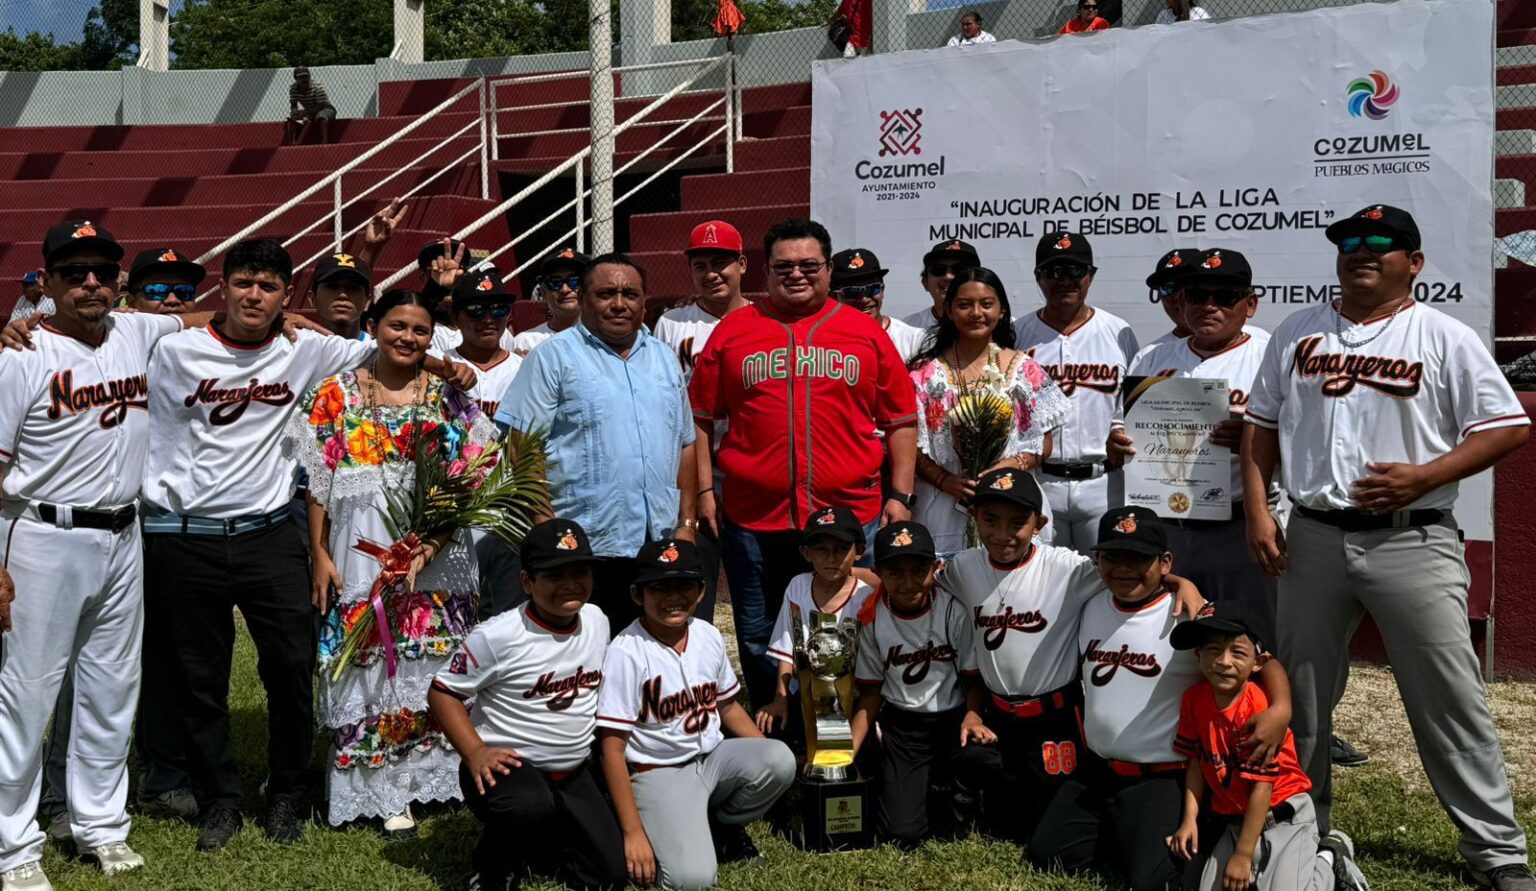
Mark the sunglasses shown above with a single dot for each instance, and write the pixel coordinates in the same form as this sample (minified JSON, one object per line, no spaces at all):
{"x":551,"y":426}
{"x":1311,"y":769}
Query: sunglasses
{"x":1376,"y":244}
{"x":1086,"y":6}
{"x":555,"y":283}
{"x":1165,"y":291}
{"x":1063,"y":270}
{"x":76,"y":274}
{"x":806,"y":268}
{"x":1226,"y":298}
{"x":861,"y":292}
{"x":157,"y":293}
{"x":479,"y":311}
{"x":939,"y":269}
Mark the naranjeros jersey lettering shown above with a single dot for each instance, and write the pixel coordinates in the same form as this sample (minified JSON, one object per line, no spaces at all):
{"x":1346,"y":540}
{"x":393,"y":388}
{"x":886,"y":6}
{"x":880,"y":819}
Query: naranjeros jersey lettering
{"x":1133,"y":679}
{"x":685,"y":331}
{"x":781,"y":643}
{"x":1089,"y":364}
{"x":804,"y":398}
{"x":916,"y":660}
{"x":74,"y":420}
{"x":1238,"y":365}
{"x":535,"y":687}
{"x":668,"y":702}
{"x":219,"y":410}
{"x":491,"y":381}
{"x":1024,"y":619}
{"x":1421,"y":384}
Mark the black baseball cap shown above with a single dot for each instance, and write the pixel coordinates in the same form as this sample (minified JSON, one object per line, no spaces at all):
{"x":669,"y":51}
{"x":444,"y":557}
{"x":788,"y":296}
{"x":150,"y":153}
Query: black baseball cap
{"x":481,"y":285}
{"x":952,"y":250}
{"x":855,"y":263}
{"x":555,"y":543}
{"x":1220,"y":265}
{"x":1016,"y":486}
{"x":79,"y":235}
{"x":339,"y":265}
{"x":1377,"y":218}
{"x":668,"y":559}
{"x":904,"y":539}
{"x":1173,"y":265}
{"x":1068,"y":246}
{"x":434,"y":249}
{"x":566,"y":257}
{"x":1134,"y":529}
{"x":166,"y":260}
{"x":838,"y":522}
{"x":1226,"y":617}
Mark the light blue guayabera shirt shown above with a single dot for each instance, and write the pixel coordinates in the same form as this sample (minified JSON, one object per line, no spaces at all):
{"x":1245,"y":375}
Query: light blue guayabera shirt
{"x":616,"y":428}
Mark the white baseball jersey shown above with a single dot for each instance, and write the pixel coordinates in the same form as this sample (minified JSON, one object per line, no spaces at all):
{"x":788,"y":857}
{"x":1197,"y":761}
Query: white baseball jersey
{"x":523,"y":343}
{"x":668,"y":702}
{"x":1238,"y":365}
{"x":535,"y":687}
{"x":1422,"y":384}
{"x":219,"y":411}
{"x":1133,"y":679}
{"x":491,"y":381}
{"x":908,"y":338}
{"x":685,"y":330}
{"x":74,"y":421}
{"x":916,"y":660}
{"x":1024,"y":619}
{"x":781,"y":645}
{"x":1088,"y":363}
{"x":1170,"y":337}
{"x":445,"y":338}
{"x":922,"y":319}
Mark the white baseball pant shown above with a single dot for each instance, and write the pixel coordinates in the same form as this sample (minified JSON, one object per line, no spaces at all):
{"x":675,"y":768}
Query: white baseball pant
{"x":1076,"y":506}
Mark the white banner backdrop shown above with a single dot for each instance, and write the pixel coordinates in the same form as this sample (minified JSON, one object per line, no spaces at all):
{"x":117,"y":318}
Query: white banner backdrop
{"x":1252,"y":134}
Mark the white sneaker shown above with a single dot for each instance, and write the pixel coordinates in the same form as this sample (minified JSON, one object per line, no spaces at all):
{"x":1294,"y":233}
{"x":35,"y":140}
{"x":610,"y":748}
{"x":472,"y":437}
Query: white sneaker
{"x":114,"y":858}
{"x":59,"y":831}
{"x":400,"y":824}
{"x":26,"y":877}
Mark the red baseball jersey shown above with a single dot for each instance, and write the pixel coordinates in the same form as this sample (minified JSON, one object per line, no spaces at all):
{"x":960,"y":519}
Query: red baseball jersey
{"x":1210,"y":733}
{"x":803,"y":398}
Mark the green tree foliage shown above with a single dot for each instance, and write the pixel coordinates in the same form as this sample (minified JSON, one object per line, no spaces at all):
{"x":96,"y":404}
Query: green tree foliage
{"x":110,"y":40}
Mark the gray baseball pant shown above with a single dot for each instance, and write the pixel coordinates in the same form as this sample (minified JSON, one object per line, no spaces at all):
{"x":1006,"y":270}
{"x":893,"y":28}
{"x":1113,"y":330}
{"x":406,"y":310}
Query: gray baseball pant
{"x":1214,"y":557}
{"x":736,"y":783}
{"x":1286,"y":859}
{"x":1413,"y":581}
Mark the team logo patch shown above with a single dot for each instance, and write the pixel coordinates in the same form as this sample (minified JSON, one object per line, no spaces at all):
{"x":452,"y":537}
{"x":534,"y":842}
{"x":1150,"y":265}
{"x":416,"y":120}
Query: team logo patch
{"x":1063,"y":243}
{"x":826,"y":519}
{"x":857,"y":262}
{"x":567,"y":254}
{"x":485,"y":284}
{"x":1127,"y":525}
{"x":1373,"y":214}
{"x":1206,"y":611}
{"x":567,"y":541}
{"x":903,"y":538}
{"x":85,"y":230}
{"x":670,"y":555}
{"x":901,"y":132}
{"x":346,"y":260}
{"x":1175,"y":260}
{"x":1213,"y":261}
{"x":169,"y":257}
{"x":1178,"y":502}
{"x":459,"y":664}
{"x":955,"y":246}
{"x":710,"y":235}
{"x":1003,"y":483}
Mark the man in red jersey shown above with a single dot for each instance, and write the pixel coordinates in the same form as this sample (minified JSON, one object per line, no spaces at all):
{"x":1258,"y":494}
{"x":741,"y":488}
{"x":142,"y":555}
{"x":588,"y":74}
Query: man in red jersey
{"x":804,"y":383}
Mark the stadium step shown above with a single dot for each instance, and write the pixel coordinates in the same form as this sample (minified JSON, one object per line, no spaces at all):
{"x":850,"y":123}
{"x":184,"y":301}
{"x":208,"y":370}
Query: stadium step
{"x":167,"y":137}
{"x":748,"y":188}
{"x":1522,"y":95}
{"x":1516,"y":14}
{"x":785,"y":153}
{"x":1514,"y":142}
{"x":666,"y":271}
{"x":666,"y":231}
{"x":1515,"y":118}
{"x":782,"y":122}
{"x":1515,"y":74}
{"x":1516,"y":36}
{"x":1511,"y":220}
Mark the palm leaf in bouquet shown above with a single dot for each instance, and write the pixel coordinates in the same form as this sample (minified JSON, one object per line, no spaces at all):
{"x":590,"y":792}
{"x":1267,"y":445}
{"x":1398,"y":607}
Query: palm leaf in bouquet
{"x":981,"y":422}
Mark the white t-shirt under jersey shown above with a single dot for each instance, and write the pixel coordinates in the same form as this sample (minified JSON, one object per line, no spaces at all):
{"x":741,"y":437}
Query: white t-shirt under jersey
{"x":491,"y":381}
{"x":916,"y":660}
{"x":668,"y":702}
{"x":923,"y":318}
{"x":535,"y":687}
{"x":1133,"y":679}
{"x":1089,"y":364}
{"x":781,"y":645}
{"x":685,"y":330}
{"x":1024,"y":619}
{"x":908,"y":338}
{"x":218,"y":411}
{"x":523,"y":342}
{"x":1422,"y":384}
{"x":74,"y":420}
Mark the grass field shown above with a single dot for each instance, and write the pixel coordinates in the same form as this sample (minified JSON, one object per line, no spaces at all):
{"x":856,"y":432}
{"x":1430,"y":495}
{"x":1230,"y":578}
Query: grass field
{"x":1404,"y":840}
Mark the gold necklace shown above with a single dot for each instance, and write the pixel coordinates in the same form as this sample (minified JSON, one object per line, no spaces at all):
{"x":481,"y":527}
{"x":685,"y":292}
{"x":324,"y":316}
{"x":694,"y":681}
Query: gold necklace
{"x":381,"y":434}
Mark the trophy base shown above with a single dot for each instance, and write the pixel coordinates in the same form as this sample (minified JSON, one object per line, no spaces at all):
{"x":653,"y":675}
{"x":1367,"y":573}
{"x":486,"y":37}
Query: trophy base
{"x":835,"y":813}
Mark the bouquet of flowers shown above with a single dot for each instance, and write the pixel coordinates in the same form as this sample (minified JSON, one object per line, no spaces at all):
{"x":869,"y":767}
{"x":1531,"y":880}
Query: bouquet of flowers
{"x":501,"y":488}
{"x":980,"y":423}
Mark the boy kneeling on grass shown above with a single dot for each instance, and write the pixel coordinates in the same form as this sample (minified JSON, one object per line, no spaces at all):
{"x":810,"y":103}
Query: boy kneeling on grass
{"x":914,"y":650}
{"x":1271,"y":840}
{"x":683,"y":792}
{"x":534,"y":674}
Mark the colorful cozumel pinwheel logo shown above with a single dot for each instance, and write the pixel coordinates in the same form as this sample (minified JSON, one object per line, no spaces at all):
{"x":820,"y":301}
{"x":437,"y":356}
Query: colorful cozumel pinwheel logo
{"x":1372,"y":96}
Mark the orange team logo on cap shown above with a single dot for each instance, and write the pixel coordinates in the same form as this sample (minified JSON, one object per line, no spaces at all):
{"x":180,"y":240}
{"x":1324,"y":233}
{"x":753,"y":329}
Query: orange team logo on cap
{"x":567,"y":254}
{"x":1175,"y":260}
{"x":955,"y":246}
{"x":857,"y":262}
{"x":1373,"y":214}
{"x":1206,"y":611}
{"x":485,"y":284}
{"x":85,"y":230}
{"x":1127,"y":524}
{"x":169,"y":257}
{"x":1064,"y":243}
{"x":903,"y":538}
{"x":567,"y":541}
{"x":670,"y":555}
{"x":346,"y":260}
{"x":1213,"y":261}
{"x":1004,"y":482}
{"x":826,"y":519}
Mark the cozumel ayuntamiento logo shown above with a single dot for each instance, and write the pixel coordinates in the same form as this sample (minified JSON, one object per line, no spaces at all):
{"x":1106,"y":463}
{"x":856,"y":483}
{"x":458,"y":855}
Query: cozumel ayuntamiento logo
{"x":1372,"y":96}
{"x":901,"y":132}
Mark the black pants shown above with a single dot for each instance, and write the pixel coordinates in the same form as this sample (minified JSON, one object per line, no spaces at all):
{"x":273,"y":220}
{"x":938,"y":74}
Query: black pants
{"x":611,"y":581}
{"x":556,"y":827}
{"x":709,"y":555}
{"x":759,"y":566}
{"x":192,"y":585}
{"x":1019,"y":774}
{"x":917,"y":752}
{"x":1102,"y":817}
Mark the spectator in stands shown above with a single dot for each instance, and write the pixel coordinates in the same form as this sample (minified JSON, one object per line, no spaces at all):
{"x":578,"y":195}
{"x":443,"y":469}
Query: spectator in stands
{"x":341,"y":293}
{"x":858,"y":281}
{"x":32,"y":300}
{"x":308,"y":105}
{"x":970,"y":31}
{"x":163,"y":280}
{"x":1087,"y":19}
{"x":861,"y":30}
{"x":1180,"y":11}
{"x":558,"y":284}
{"x":941,"y":264}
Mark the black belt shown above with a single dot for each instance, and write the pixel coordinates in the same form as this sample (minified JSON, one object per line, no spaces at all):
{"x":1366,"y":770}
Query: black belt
{"x":114,"y":520}
{"x":1283,"y":812}
{"x":1360,"y":521}
{"x":1079,"y":470}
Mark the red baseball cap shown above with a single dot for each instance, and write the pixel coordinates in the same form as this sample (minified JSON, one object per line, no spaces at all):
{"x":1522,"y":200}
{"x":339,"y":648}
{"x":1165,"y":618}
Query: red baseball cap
{"x":714,"y":235}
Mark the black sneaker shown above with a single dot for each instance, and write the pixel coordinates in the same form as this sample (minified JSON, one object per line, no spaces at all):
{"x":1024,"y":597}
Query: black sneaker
{"x":286,"y":816}
{"x":1342,"y":754}
{"x":1512,"y":877}
{"x":218,"y":826}
{"x":733,"y":844}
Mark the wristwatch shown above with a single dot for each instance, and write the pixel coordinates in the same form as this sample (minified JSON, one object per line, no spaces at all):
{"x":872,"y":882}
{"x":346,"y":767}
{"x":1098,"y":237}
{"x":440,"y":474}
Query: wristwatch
{"x":904,"y":499}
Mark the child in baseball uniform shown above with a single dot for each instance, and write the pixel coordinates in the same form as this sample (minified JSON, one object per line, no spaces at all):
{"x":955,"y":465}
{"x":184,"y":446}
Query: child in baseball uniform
{"x":914,"y":656}
{"x":683,"y":791}
{"x":833,"y":541}
{"x":533,"y":674}
{"x":1270,"y":841}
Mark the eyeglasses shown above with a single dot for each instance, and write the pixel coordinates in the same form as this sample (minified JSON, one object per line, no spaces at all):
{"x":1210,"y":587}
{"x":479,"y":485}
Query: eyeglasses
{"x":158,"y":293}
{"x":1226,"y":298}
{"x":555,"y":283}
{"x":861,"y":292}
{"x":496,"y":311}
{"x":806,"y":268}
{"x":1063,"y":270}
{"x":1376,"y":244}
{"x":1087,"y":6}
{"x":941,"y":269}
{"x":1165,"y":291}
{"x":76,"y":274}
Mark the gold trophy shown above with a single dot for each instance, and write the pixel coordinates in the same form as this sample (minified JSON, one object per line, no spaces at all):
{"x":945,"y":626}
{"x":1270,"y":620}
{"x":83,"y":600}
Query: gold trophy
{"x":834,"y":794}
